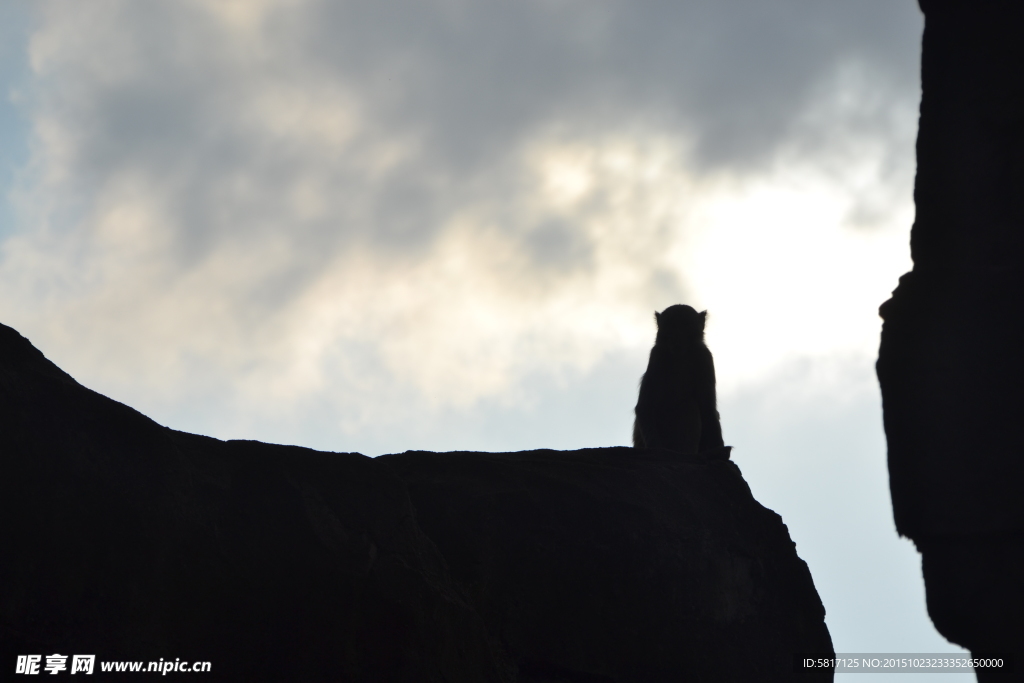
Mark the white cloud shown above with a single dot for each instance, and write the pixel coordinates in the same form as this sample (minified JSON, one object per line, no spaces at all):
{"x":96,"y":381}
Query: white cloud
{"x":399,"y":209}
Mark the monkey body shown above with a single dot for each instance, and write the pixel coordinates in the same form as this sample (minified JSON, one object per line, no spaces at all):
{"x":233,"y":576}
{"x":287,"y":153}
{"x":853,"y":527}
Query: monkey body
{"x":677,"y":406}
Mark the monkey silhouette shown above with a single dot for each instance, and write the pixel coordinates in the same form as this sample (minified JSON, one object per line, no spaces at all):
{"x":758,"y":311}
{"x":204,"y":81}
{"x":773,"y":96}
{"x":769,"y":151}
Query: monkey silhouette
{"x":677,"y":408}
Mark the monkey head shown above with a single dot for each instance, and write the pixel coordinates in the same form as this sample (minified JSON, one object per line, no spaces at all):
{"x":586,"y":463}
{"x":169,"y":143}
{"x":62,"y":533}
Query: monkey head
{"x":680,"y":323}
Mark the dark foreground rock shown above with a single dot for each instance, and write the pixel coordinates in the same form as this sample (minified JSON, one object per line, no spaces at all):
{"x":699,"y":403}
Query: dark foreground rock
{"x":595,"y":565}
{"x":127,"y":540}
{"x":951,"y":366}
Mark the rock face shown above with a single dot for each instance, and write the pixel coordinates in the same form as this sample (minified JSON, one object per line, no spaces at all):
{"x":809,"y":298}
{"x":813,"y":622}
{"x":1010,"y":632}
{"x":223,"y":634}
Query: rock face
{"x":951,"y":366}
{"x":127,"y":540}
{"x":594,"y":565}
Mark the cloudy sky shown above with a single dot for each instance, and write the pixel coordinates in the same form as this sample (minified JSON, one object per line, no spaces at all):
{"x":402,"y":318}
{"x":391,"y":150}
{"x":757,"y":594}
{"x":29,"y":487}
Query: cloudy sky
{"x":378,"y":225}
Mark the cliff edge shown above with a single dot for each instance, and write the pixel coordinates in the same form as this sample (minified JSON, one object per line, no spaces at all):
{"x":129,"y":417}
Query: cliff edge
{"x":134,"y":542}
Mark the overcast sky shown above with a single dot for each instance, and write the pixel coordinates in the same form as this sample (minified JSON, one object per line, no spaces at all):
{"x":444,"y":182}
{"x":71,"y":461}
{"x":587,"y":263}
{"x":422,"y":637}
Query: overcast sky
{"x":379,"y":225}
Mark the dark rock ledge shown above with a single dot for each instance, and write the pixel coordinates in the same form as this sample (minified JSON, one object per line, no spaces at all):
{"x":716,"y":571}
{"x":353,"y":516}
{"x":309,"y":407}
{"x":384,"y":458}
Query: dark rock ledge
{"x":128,"y":540}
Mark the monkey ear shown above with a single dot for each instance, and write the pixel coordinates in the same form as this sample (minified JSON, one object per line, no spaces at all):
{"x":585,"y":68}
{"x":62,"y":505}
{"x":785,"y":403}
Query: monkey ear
{"x":703,"y":318}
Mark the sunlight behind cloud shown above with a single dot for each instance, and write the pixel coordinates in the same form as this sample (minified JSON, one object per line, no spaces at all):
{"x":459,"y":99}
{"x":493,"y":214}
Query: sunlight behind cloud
{"x":785,"y":276}
{"x":772,"y":257}
{"x":227,"y":205}
{"x":475,"y":313}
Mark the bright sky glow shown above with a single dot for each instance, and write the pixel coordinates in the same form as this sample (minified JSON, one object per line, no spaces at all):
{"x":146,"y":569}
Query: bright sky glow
{"x":786,"y":276}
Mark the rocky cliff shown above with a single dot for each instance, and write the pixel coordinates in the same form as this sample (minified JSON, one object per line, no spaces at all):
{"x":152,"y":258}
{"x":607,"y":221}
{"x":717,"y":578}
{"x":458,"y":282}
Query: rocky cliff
{"x":131,"y":541}
{"x":951,"y":366}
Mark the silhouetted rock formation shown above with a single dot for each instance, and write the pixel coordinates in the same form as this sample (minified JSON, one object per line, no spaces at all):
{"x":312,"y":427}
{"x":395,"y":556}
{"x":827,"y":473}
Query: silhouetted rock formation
{"x":951,"y":364}
{"x":128,"y":540}
{"x":607,"y":567}
{"x":131,"y":541}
